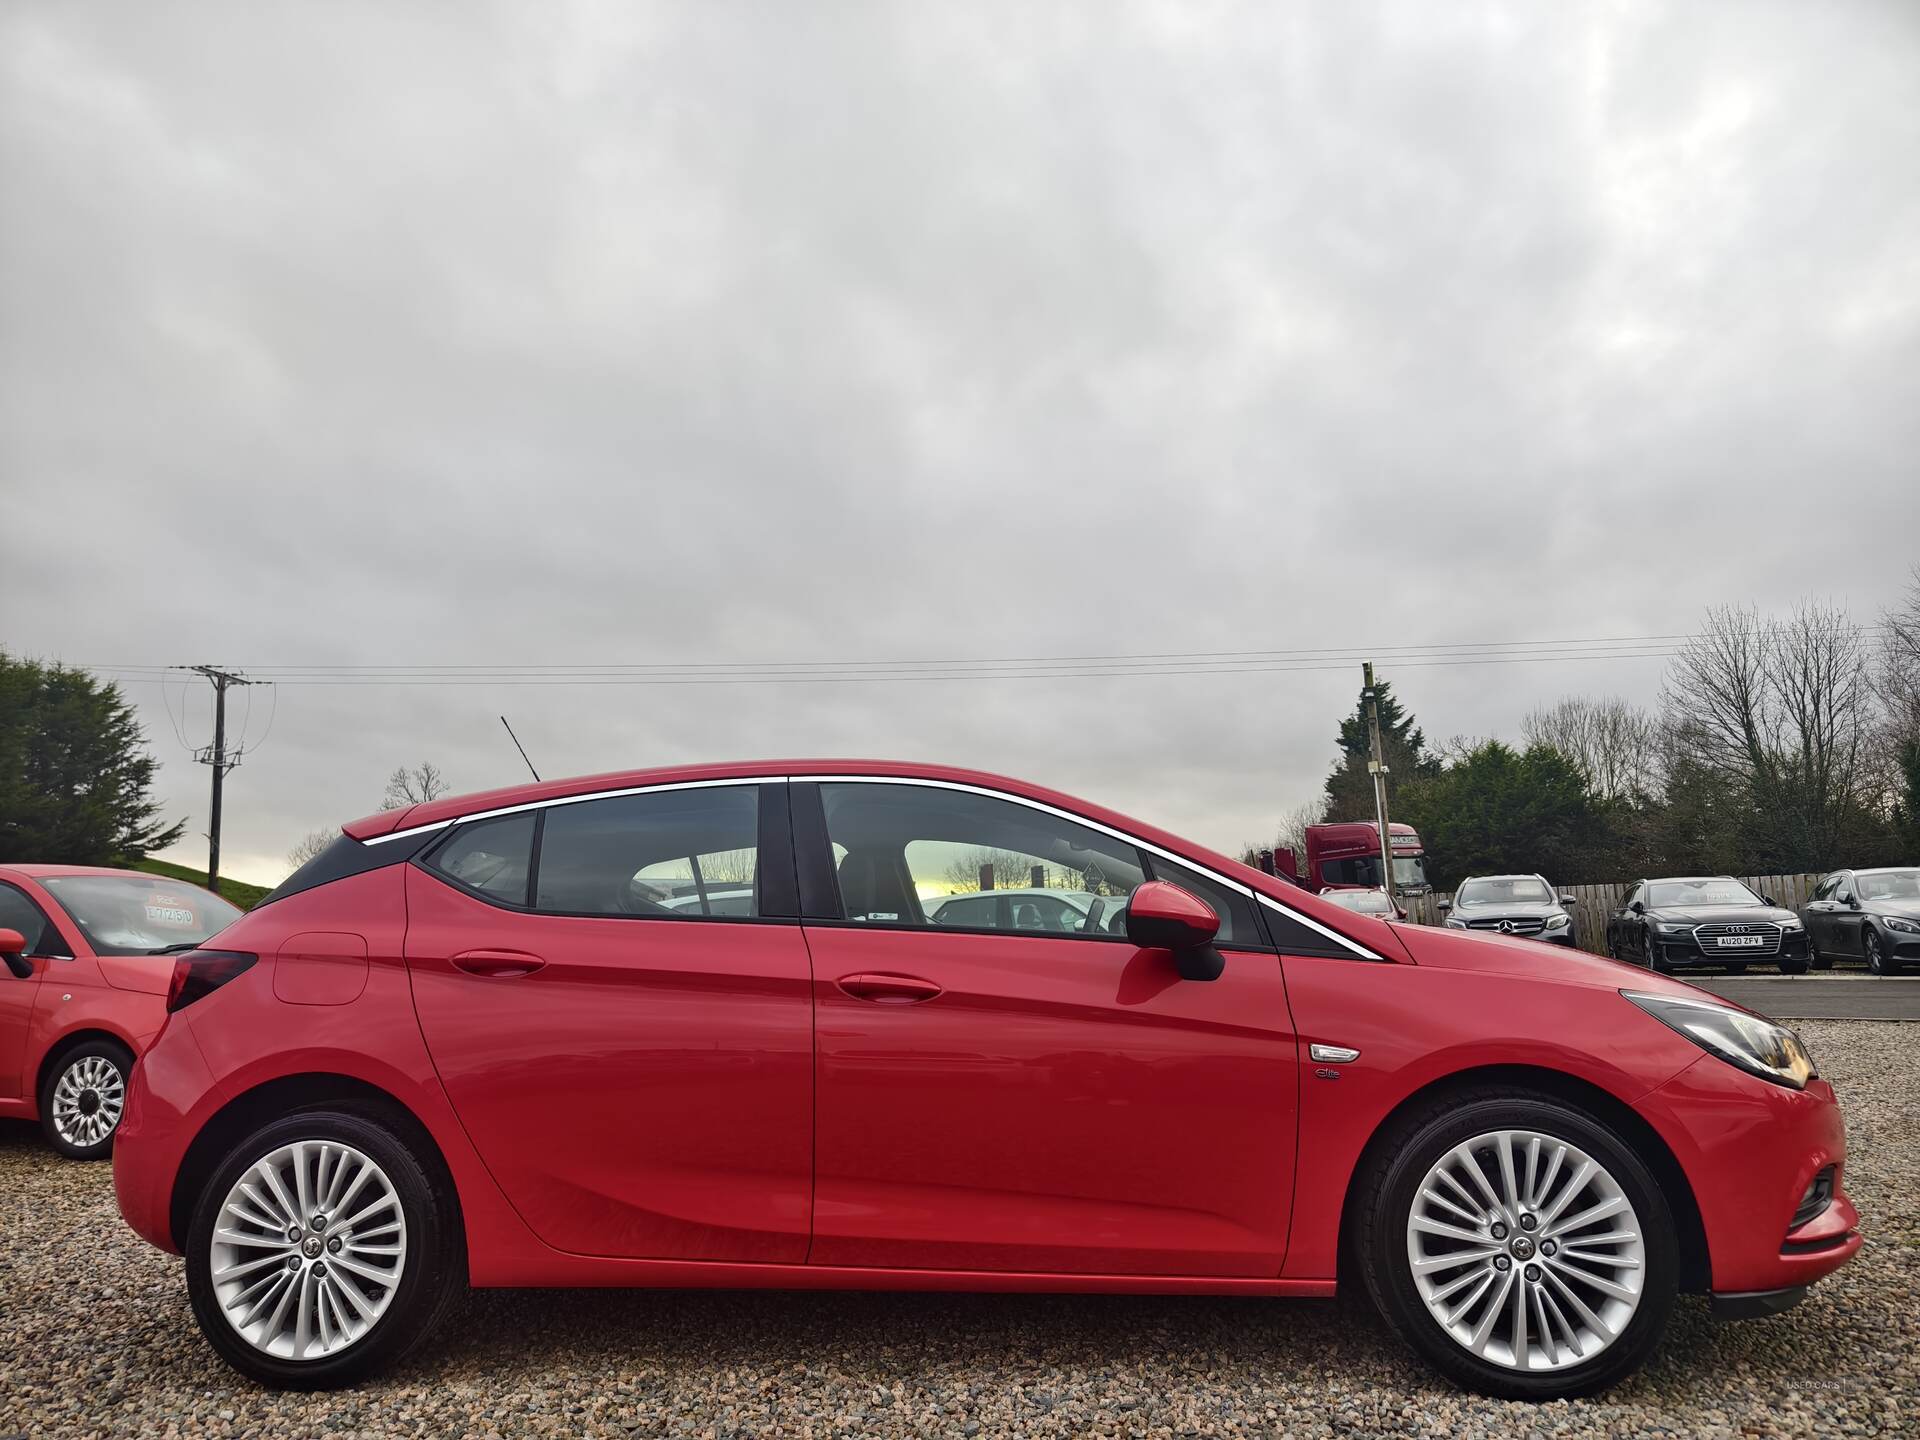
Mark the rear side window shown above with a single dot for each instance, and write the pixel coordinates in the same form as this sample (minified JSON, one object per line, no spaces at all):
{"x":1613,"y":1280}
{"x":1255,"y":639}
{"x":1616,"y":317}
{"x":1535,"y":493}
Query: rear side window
{"x":493,"y":857}
{"x":680,"y":854}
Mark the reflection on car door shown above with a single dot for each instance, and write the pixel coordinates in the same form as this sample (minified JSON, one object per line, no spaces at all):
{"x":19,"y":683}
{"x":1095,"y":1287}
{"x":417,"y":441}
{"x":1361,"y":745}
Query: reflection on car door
{"x":1032,"y":1102}
{"x":637,"y":1074}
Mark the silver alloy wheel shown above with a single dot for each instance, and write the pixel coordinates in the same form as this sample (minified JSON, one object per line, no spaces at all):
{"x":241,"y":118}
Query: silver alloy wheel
{"x":308,"y":1249}
{"x":87,"y":1101}
{"x":1526,"y":1250}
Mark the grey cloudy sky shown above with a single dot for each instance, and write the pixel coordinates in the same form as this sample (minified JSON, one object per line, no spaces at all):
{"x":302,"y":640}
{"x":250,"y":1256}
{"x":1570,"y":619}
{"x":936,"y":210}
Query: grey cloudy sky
{"x":546,"y":334}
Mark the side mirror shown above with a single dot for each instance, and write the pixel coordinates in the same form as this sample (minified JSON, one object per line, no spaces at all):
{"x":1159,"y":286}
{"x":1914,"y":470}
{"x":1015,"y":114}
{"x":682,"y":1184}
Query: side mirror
{"x":12,"y":947}
{"x":1637,"y":908}
{"x":1845,"y":897}
{"x":1165,"y":917}
{"x":1445,"y":906}
{"x":1566,"y":900}
{"x":1766,"y":900}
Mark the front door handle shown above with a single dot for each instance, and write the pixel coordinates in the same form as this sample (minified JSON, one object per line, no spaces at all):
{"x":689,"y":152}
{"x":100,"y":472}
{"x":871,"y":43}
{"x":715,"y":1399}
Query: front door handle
{"x":889,"y":989}
{"x":497,"y":964}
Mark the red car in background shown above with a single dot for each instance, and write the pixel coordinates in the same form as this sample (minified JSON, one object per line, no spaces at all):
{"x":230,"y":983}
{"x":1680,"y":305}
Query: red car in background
{"x":538,"y":1038}
{"x":84,"y":989}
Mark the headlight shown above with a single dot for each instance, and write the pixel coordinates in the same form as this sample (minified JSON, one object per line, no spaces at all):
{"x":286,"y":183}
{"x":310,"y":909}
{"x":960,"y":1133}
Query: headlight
{"x":1671,"y":927}
{"x":1894,"y":922}
{"x":1557,"y":922}
{"x":1791,"y":924}
{"x":1757,"y":1046}
{"x":1453,"y":924}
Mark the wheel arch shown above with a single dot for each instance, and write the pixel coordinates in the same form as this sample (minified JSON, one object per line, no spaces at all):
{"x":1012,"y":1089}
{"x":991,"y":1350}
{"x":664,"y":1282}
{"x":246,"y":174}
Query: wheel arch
{"x":72,"y":1040}
{"x":288,"y":1095}
{"x":1695,"y":1260}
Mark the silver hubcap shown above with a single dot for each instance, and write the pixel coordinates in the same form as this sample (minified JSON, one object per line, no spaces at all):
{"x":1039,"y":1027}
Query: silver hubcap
{"x":308,"y":1249}
{"x":1526,"y":1250}
{"x":87,"y":1100}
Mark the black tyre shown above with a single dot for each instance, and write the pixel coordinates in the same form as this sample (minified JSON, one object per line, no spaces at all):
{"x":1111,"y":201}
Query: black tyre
{"x":1542,"y":1277}
{"x":341,"y":1253}
{"x":82,"y":1097}
{"x":1657,"y":964}
{"x":1875,"y":956}
{"x":1793,"y":967}
{"x":1736,"y":969}
{"x":1815,"y":958}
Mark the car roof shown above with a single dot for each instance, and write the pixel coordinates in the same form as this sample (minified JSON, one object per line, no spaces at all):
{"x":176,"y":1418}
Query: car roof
{"x":41,"y":872}
{"x":1518,"y":875}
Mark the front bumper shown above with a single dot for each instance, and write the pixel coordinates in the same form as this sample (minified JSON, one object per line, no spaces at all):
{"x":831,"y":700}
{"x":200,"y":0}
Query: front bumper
{"x":1752,"y":1152}
{"x":1681,"y":950}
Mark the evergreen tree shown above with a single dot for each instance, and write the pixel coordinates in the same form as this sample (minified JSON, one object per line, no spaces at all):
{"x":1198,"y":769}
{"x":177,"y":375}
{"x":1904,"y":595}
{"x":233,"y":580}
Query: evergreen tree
{"x":75,"y":774}
{"x":1350,"y":787}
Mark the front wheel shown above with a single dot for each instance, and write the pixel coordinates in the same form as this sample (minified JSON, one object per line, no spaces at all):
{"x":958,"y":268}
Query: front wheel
{"x":83,"y":1096}
{"x":1519,"y":1244}
{"x":1870,"y":951}
{"x":323,"y":1249}
{"x":1793,"y":967}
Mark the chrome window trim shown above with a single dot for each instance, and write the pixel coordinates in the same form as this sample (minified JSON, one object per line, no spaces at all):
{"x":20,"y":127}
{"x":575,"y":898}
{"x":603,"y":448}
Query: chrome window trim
{"x":575,"y":800}
{"x":1082,"y":820}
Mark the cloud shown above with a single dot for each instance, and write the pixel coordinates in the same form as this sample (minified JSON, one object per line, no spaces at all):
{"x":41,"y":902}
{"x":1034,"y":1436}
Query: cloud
{"x":597,"y":334}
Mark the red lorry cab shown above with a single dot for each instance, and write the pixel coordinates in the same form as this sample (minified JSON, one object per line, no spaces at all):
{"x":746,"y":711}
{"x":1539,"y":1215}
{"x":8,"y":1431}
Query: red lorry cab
{"x":1348,"y":854}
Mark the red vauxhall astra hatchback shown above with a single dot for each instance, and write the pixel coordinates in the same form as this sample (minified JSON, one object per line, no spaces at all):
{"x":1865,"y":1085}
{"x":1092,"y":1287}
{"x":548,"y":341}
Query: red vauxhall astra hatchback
{"x":907,"y":1027}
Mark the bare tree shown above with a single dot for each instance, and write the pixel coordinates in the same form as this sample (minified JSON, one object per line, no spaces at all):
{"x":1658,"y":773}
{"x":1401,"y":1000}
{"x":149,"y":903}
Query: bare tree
{"x":310,"y":845}
{"x":1614,"y":744}
{"x":417,"y":786}
{"x":1783,"y":713}
{"x":1898,"y":671}
{"x":1292,"y":834}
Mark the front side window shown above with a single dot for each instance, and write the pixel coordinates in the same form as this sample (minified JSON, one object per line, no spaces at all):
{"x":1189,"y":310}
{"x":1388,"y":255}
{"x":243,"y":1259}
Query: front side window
{"x":683,"y":854}
{"x":139,"y":915}
{"x":18,"y":912}
{"x":920,"y":856}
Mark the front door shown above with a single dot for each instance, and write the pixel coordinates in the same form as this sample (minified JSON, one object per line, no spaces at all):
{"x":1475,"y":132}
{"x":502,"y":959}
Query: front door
{"x":17,"y":994}
{"x":623,"y":1021}
{"x":1014,"y":1086}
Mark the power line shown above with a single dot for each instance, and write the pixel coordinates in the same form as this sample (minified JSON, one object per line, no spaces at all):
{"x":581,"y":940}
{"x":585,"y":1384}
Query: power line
{"x":217,"y":754}
{"x":1057,"y":667}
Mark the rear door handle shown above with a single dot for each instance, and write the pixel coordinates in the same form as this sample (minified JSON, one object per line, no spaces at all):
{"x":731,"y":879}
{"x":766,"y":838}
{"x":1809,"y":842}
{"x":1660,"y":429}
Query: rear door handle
{"x":497,"y":964}
{"x":889,"y":989}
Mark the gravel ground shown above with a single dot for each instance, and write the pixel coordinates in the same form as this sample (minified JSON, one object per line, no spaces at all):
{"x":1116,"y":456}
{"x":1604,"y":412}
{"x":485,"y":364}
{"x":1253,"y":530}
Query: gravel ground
{"x":98,"y":1340}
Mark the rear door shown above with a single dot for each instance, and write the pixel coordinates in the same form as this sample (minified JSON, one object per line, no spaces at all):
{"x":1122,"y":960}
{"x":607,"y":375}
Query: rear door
{"x":1002,"y":1096}
{"x":615,"y":992}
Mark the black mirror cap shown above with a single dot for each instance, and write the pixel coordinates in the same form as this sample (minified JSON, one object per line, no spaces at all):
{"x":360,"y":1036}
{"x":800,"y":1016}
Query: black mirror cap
{"x":1200,"y":962}
{"x":1637,"y":908}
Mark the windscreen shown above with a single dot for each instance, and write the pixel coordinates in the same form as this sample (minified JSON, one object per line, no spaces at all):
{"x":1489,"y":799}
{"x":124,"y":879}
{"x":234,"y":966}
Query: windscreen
{"x":129,"y":915}
{"x":1889,"y":884}
{"x":1522,"y":890}
{"x":1698,"y":892}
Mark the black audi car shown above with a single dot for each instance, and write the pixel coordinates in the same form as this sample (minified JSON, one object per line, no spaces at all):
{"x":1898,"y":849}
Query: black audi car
{"x":1669,"y":925}
{"x":1511,"y":905}
{"x":1870,"y":915}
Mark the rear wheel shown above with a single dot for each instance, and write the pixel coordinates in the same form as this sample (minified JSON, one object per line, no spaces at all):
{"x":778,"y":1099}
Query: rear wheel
{"x":1518,"y":1244}
{"x":83,"y":1096}
{"x":323,"y":1249}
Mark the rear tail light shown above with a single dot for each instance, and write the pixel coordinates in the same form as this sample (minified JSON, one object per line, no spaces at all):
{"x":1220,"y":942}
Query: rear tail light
{"x":198,"y":973}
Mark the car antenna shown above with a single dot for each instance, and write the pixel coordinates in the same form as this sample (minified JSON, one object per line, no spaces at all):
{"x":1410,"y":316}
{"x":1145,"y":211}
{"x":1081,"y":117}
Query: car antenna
{"x":521,"y":748}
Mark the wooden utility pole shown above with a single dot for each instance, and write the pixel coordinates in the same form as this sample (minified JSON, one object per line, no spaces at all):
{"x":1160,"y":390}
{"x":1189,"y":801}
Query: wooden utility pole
{"x":1377,"y":768}
{"x":218,"y":756}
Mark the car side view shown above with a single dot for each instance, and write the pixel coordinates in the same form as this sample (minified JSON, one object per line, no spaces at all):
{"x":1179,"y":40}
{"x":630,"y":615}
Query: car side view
{"x":471,"y":1043}
{"x":1872,"y":916}
{"x":1676,"y":924}
{"x":84,"y":989}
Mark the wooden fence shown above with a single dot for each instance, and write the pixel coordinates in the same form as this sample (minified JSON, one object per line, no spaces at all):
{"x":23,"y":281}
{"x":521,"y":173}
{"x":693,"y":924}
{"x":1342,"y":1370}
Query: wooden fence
{"x":1594,"y":903}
